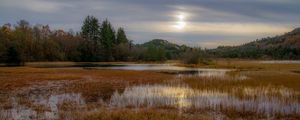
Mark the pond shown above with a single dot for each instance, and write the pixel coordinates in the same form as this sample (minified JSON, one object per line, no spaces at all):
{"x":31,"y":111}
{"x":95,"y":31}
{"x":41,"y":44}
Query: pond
{"x":169,"y":69}
{"x":164,"y":68}
{"x":280,"y":62}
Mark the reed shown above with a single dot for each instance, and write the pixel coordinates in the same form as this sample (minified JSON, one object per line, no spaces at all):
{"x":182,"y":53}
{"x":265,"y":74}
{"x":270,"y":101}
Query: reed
{"x":252,"y":90}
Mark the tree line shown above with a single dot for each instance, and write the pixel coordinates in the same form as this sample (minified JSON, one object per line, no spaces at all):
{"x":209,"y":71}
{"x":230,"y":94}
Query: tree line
{"x":96,"y":42}
{"x":100,"y":42}
{"x":285,"y":47}
{"x":22,"y":43}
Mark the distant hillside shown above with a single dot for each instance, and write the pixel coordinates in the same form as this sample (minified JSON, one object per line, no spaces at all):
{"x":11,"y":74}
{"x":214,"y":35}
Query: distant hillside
{"x":286,"y":46}
{"x":170,"y":47}
{"x":160,"y":47}
{"x":161,"y":43}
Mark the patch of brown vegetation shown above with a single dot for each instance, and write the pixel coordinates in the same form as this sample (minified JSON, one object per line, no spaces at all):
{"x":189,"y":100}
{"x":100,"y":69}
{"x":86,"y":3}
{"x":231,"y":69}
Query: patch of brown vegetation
{"x":92,"y":83}
{"x":97,"y":85}
{"x":140,"y":114}
{"x":244,"y":65}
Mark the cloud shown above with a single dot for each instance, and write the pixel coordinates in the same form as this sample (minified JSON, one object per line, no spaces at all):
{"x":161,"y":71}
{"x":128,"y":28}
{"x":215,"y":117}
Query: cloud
{"x":43,"y":6}
{"x":208,"y":22}
{"x":236,"y":28}
{"x":226,"y":28}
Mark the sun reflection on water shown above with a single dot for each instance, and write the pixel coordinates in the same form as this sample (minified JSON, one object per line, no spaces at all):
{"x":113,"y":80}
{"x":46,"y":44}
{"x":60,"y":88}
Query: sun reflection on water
{"x":184,"y":97}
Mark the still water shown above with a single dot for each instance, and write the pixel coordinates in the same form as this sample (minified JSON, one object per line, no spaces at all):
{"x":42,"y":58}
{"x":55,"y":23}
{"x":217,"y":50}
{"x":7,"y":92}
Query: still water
{"x":164,"y":68}
{"x":280,"y":62}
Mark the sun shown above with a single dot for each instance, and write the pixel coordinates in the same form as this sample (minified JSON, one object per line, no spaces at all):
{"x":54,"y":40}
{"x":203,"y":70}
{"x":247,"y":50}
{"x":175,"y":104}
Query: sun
{"x":180,"y":23}
{"x":181,"y":17}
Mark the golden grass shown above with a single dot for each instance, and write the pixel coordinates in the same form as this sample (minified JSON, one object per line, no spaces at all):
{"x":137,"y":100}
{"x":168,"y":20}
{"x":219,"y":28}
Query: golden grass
{"x":244,"y":65}
{"x":263,"y":78}
{"x":95,"y":85}
{"x":267,"y":80}
{"x":140,"y":114}
{"x":272,"y":85}
{"x":92,"y":84}
{"x":254,"y":78}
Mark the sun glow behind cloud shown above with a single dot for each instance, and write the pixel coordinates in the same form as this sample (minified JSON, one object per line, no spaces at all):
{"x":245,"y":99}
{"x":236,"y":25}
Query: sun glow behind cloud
{"x":180,"y":24}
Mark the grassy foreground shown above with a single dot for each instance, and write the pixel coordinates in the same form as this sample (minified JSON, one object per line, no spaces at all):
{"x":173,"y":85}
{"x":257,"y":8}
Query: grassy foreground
{"x":27,"y":92}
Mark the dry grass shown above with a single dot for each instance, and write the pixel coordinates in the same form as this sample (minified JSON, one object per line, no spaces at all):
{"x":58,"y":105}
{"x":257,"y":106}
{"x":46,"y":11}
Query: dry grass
{"x":245,"y":65}
{"x":254,"y":79}
{"x":17,"y":77}
{"x":139,"y":114}
{"x":282,"y":85}
{"x":95,"y":87}
{"x":24,"y":83}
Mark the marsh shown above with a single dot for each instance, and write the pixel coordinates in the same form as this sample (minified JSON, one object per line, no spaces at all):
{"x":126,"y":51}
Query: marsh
{"x":75,"y":92}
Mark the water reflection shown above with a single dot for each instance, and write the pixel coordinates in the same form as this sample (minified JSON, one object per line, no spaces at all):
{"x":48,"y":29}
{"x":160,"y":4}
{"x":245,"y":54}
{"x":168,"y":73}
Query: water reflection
{"x":201,"y":73}
{"x":281,"y":62}
{"x":42,"y":107}
{"x":183,"y":97}
{"x":172,"y":69}
{"x":165,"y":68}
{"x":55,"y":101}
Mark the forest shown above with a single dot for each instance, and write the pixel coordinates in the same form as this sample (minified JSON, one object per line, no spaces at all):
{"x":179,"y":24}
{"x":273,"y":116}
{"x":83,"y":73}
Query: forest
{"x":100,"y":42}
{"x":283,"y":47}
{"x":95,"y":42}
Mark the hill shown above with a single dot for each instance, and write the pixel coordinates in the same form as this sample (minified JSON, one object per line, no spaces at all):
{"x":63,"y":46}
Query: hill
{"x":172,"y":50}
{"x":161,"y":49}
{"x":286,"y":46}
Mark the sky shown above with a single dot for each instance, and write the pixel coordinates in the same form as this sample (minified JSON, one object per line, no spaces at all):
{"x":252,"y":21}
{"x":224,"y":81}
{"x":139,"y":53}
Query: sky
{"x":201,"y":23}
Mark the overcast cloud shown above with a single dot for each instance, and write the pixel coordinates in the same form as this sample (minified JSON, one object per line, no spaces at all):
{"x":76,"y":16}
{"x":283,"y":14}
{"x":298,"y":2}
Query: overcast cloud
{"x":207,"y":23}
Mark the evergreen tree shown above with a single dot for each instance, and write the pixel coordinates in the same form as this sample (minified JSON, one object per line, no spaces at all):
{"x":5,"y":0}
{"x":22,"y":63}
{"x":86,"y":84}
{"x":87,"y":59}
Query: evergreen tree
{"x":91,"y":34}
{"x":121,"y":36}
{"x":122,"y":46}
{"x":90,"y":29}
{"x":107,"y":35}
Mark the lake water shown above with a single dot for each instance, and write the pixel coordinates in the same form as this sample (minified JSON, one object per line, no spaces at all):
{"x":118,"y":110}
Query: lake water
{"x":164,"y":68}
{"x":170,"y":69}
{"x":280,"y":62}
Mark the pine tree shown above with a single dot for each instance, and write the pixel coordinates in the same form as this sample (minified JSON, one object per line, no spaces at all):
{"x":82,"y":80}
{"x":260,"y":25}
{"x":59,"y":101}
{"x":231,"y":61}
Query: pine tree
{"x":90,"y":31}
{"x":107,"y":35}
{"x":121,"y":36}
